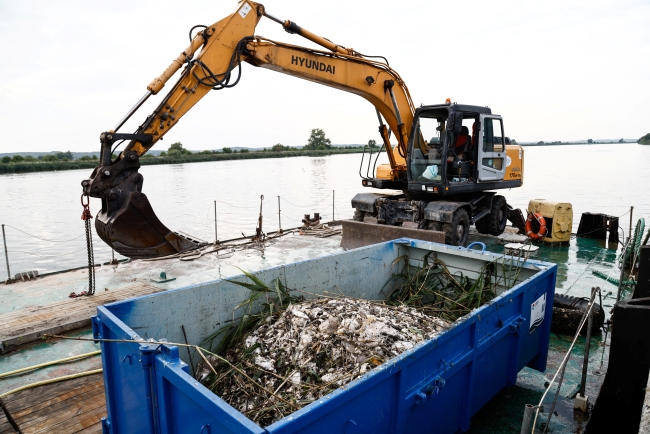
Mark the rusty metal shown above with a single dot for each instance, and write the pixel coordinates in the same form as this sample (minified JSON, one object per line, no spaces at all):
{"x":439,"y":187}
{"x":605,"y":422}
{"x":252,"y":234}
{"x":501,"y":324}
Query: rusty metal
{"x":308,"y":221}
{"x":358,"y":234}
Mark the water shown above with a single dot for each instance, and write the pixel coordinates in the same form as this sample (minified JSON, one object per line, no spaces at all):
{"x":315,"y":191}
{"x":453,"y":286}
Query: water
{"x":594,"y":178}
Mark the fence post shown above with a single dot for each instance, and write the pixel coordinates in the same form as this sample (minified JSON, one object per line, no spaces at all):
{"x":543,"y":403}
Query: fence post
{"x":4,"y":239}
{"x":279,"y":220}
{"x":216,"y":238}
{"x":333,"y":194}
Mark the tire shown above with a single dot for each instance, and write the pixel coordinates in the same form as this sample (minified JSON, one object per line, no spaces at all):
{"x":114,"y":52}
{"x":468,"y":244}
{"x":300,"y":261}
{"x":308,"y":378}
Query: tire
{"x":457,"y":232}
{"x":432,"y":226}
{"x":358,"y":215}
{"x":481,"y":226}
{"x":496,"y":221}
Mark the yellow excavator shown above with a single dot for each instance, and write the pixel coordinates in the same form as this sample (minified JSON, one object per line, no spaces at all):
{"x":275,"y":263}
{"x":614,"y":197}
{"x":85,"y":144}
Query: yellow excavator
{"x":446,"y":158}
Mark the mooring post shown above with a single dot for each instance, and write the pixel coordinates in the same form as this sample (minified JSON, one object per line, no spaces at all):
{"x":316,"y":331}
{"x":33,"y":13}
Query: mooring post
{"x":216,"y":237}
{"x":333,"y":193}
{"x":630,"y":233}
{"x":279,"y":219}
{"x":4,"y":239}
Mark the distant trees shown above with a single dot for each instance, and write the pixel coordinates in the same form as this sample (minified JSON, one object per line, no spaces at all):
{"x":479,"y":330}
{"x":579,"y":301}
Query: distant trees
{"x":6,"y":159}
{"x":645,"y":140}
{"x":590,"y":141}
{"x":372,"y":143}
{"x":278,"y":147}
{"x":541,"y":142}
{"x":318,"y":140}
{"x":621,"y":141}
{"x":227,"y":150}
{"x":176,"y":150}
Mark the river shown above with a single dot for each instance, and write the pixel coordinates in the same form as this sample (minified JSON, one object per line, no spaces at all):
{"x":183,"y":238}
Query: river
{"x":46,"y":206}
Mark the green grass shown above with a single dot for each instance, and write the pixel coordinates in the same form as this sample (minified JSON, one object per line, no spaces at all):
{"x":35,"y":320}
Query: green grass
{"x":48,"y":166}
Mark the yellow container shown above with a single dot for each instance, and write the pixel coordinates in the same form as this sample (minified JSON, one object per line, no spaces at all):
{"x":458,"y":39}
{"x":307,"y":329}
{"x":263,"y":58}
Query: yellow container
{"x":558,"y":217}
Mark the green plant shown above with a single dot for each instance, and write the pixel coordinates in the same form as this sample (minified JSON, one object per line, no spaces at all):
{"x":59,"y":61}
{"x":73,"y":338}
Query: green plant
{"x":6,"y":159}
{"x":227,"y":150}
{"x":318,"y":140}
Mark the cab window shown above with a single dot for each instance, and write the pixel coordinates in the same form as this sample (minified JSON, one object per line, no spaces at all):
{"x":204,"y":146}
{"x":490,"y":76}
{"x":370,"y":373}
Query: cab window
{"x":493,"y":140}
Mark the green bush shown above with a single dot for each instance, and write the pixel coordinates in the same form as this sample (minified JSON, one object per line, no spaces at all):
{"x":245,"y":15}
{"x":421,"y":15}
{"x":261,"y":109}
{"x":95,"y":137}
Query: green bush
{"x":174,"y":153}
{"x":227,"y":150}
{"x":6,"y":159}
{"x":18,"y":158}
{"x":85,"y":158}
{"x":244,"y":151}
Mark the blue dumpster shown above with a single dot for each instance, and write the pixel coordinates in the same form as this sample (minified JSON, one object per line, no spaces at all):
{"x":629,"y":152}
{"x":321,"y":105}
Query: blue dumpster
{"x":436,"y":387}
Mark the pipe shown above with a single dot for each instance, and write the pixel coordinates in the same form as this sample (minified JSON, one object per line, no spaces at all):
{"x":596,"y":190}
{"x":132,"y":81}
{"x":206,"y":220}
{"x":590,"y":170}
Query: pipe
{"x":585,"y":363}
{"x":52,"y":380}
{"x":54,"y":362}
{"x":216,"y":237}
{"x":4,"y":239}
{"x":333,"y":194}
{"x":631,"y":212}
{"x":279,"y":219}
{"x":528,"y":416}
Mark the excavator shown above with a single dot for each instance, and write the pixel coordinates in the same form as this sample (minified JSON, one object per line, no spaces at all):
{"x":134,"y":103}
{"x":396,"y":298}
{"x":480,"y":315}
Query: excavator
{"x":447,"y":159}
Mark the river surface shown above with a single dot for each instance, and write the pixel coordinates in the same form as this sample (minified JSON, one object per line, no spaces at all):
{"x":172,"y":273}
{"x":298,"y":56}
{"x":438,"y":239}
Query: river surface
{"x":46,"y":206}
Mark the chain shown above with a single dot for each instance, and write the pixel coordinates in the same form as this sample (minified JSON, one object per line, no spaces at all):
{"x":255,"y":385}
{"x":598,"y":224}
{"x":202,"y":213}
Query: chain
{"x":86,"y":216}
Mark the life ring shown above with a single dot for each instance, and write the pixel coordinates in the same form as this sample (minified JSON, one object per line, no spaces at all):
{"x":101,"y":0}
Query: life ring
{"x":542,"y":226}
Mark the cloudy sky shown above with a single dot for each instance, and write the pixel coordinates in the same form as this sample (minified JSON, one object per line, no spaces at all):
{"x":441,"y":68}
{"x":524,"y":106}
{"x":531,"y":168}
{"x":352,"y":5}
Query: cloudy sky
{"x":555,"y":70}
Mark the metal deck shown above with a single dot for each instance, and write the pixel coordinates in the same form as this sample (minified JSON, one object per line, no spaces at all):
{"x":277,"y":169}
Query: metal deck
{"x":501,"y":415}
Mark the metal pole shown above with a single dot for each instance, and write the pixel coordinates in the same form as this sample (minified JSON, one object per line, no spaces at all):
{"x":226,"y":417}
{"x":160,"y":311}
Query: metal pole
{"x":4,"y":239}
{"x":216,"y":238}
{"x":279,"y":219}
{"x":585,"y":364}
{"x":333,"y":193}
{"x":528,"y":418}
{"x":112,"y":256}
{"x":630,"y":233}
{"x":620,"y":281}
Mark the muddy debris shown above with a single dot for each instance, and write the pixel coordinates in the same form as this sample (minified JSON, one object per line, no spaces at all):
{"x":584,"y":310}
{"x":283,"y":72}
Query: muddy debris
{"x":311,"y":349}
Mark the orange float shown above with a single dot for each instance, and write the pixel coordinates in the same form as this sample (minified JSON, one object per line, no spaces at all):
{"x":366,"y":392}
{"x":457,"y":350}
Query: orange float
{"x":542,"y":226}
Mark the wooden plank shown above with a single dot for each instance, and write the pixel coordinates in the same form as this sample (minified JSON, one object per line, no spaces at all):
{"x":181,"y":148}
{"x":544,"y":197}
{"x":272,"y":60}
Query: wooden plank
{"x":26,"y":398}
{"x":91,"y":419}
{"x":29,"y":325}
{"x":50,"y":405}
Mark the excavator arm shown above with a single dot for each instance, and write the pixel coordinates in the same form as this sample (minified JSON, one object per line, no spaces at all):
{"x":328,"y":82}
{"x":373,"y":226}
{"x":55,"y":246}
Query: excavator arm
{"x":213,"y":61}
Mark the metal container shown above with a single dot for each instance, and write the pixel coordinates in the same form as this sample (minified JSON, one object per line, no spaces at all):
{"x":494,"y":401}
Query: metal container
{"x":435,"y":387}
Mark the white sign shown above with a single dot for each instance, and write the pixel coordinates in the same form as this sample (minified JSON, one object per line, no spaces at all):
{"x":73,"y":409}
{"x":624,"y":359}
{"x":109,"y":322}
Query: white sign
{"x":244,"y":10}
{"x":537,"y":310}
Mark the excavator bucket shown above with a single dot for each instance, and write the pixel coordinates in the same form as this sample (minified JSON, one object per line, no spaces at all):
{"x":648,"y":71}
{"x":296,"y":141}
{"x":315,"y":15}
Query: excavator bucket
{"x":359,"y":234}
{"x":135,"y":231}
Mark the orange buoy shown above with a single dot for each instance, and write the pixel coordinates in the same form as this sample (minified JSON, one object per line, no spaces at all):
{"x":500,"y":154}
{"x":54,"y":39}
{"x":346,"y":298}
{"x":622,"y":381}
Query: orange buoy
{"x":542,"y":226}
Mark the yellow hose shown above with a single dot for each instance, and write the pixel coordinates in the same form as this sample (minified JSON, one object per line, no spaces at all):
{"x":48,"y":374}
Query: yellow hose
{"x":52,"y":380}
{"x":42,"y":365}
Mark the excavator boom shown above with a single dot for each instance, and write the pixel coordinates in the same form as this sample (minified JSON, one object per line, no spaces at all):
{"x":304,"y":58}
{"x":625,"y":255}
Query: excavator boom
{"x":213,"y":61}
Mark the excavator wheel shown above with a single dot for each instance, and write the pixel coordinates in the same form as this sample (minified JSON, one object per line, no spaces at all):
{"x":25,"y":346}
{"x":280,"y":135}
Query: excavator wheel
{"x":433,"y":226}
{"x":496,"y":221}
{"x":358,"y":215}
{"x":457,"y":232}
{"x":481,"y":226}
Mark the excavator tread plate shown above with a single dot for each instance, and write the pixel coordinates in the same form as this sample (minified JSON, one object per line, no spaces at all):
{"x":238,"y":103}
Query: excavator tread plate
{"x":358,"y":234}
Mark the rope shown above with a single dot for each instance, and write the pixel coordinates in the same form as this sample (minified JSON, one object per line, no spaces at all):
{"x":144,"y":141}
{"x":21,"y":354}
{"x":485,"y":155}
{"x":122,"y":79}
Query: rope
{"x":43,"y":239}
{"x":54,"y":362}
{"x":565,"y":360}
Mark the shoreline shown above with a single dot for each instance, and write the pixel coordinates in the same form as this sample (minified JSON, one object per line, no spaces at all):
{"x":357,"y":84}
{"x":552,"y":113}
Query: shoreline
{"x":52,"y":166}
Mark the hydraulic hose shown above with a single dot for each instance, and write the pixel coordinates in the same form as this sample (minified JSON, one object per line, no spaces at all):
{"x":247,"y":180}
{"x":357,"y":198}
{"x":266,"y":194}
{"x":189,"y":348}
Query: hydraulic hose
{"x":54,"y":362}
{"x":52,"y":380}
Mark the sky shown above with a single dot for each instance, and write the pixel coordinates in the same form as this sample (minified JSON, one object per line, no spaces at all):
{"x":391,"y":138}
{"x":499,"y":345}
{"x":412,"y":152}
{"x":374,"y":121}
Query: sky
{"x":555,"y":70}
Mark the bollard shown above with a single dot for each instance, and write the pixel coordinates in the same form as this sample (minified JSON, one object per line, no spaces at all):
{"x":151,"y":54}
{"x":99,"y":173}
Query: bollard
{"x":4,"y":239}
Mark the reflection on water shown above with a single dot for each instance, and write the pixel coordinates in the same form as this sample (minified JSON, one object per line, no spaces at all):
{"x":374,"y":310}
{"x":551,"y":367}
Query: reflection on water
{"x":46,"y":205}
